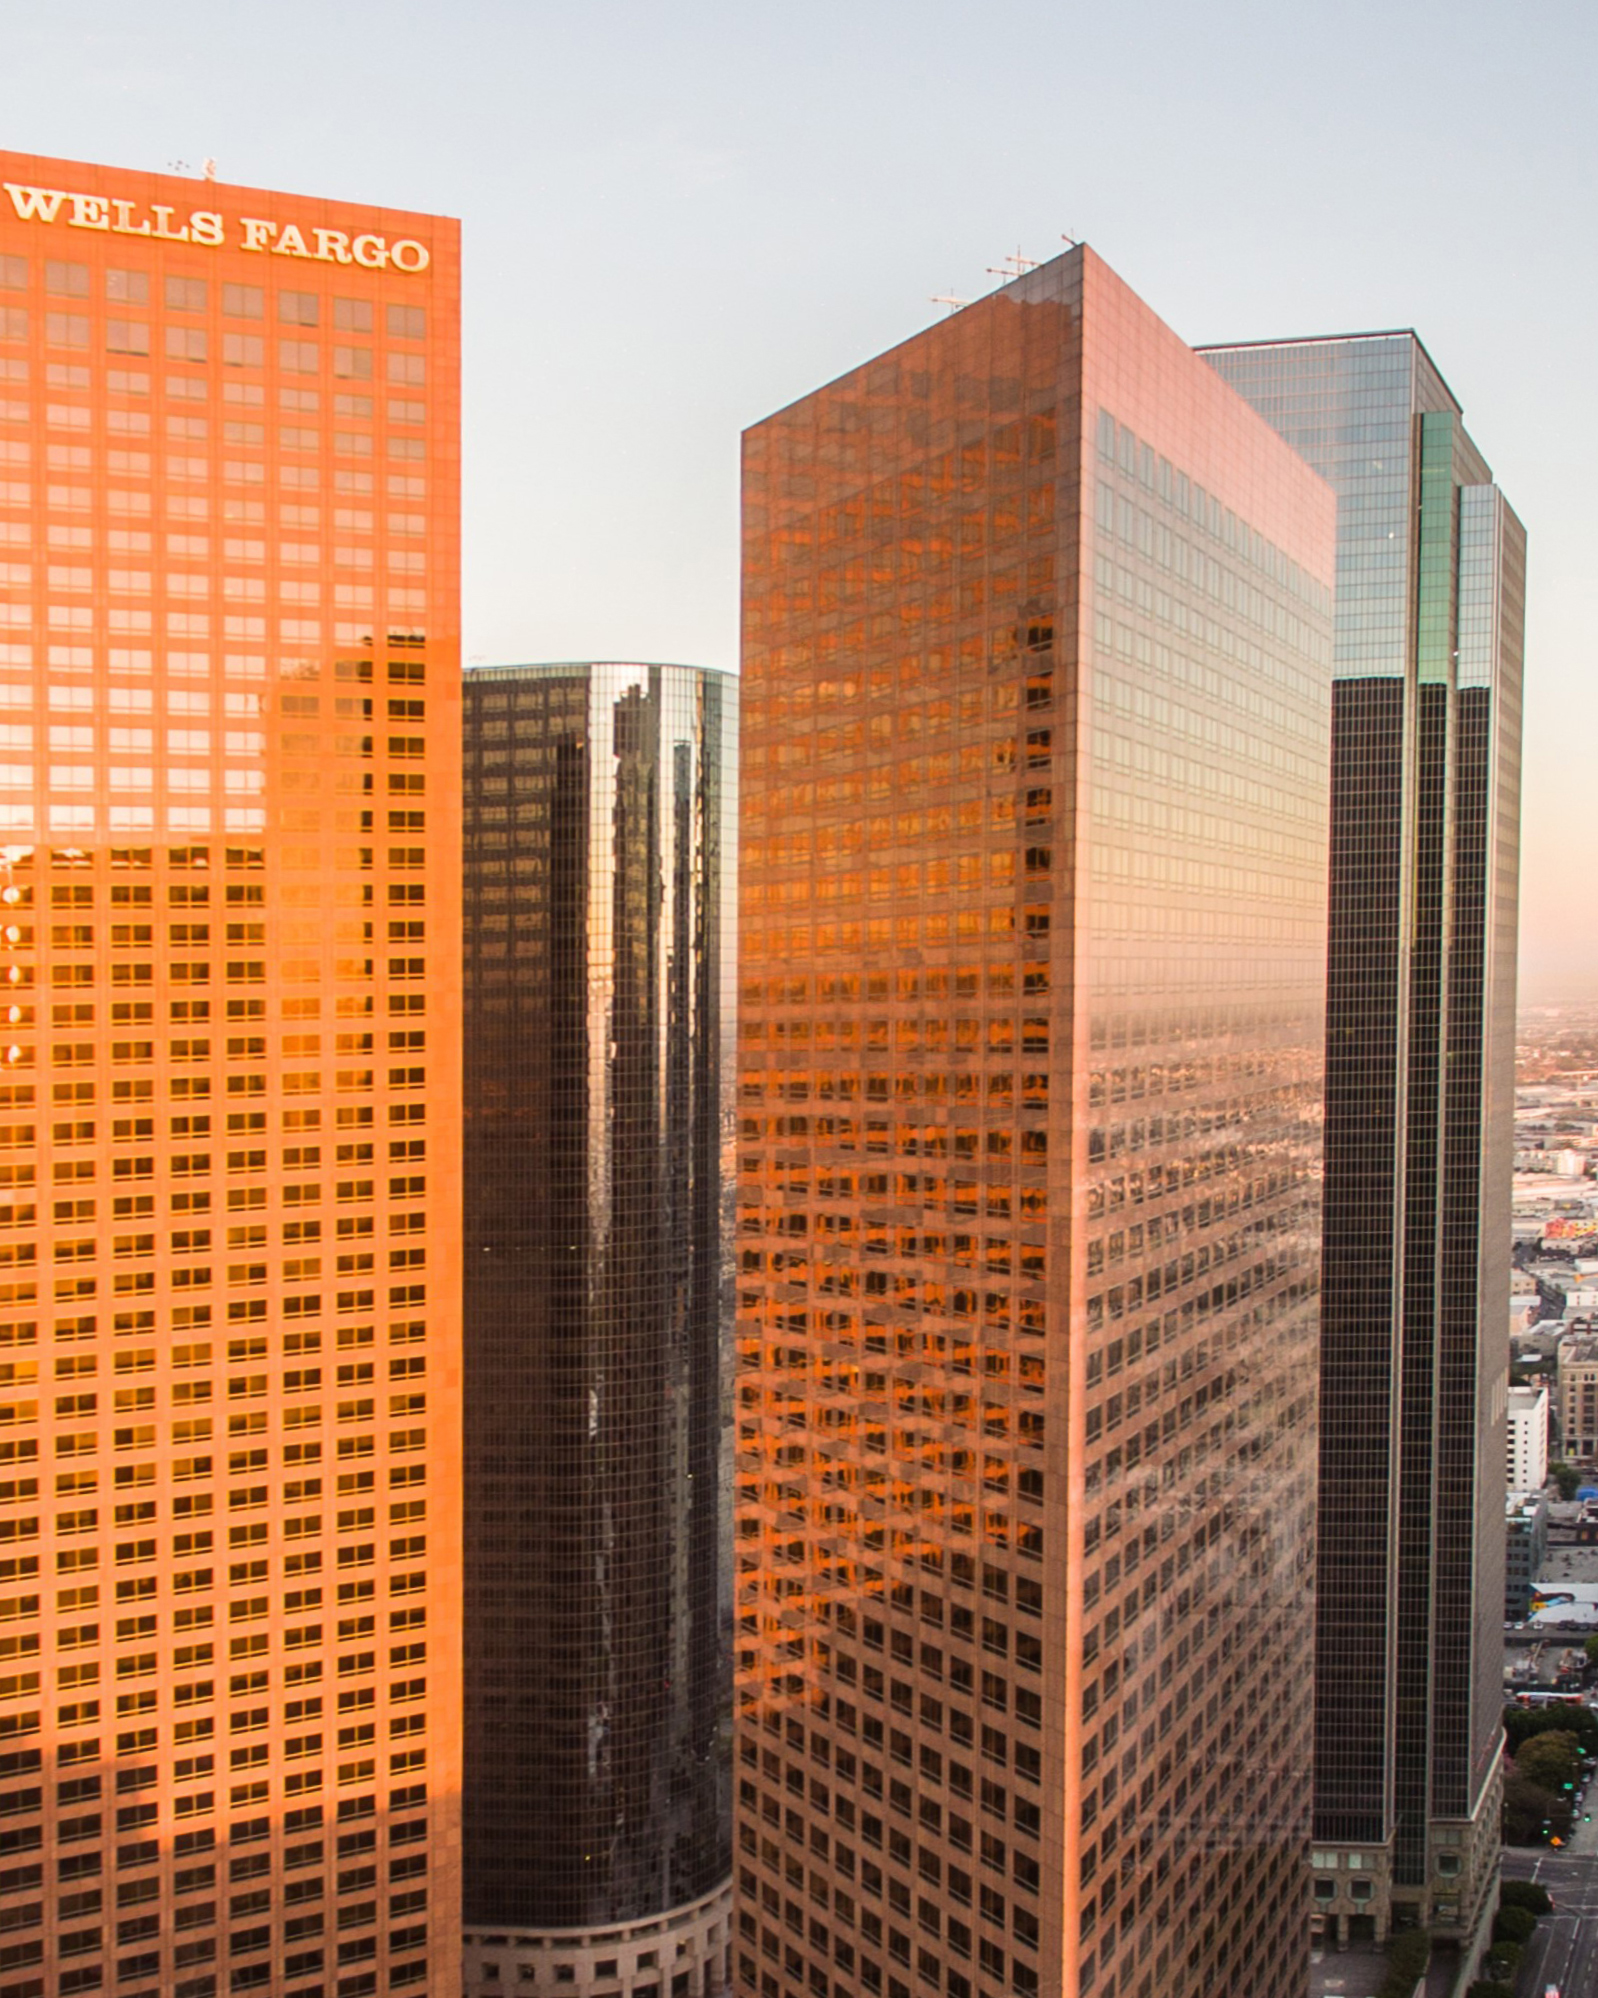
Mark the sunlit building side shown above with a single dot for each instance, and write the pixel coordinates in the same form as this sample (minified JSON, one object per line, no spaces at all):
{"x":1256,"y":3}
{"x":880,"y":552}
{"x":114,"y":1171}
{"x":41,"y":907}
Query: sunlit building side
{"x":229,"y":1180}
{"x":1037,"y":629}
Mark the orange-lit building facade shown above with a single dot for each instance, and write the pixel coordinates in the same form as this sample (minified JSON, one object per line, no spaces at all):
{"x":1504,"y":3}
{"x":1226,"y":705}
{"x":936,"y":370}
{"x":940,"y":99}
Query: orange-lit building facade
{"x":1033,"y":878}
{"x":229,"y":1176}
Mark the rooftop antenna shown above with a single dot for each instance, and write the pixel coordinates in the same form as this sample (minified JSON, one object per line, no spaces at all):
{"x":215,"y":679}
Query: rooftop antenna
{"x":1070,"y":242}
{"x":210,"y":169}
{"x":1013,"y":266}
{"x":947,"y":298}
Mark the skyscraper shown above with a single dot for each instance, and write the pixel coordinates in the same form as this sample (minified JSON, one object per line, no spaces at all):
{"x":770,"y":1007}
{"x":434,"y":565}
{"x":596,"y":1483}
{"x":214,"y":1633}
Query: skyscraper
{"x":228,"y":663}
{"x":1037,"y":660}
{"x":1419,"y":1136}
{"x":600,"y":804}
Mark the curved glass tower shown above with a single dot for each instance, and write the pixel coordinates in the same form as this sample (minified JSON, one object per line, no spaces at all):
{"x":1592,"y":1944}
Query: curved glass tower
{"x":599,"y":808}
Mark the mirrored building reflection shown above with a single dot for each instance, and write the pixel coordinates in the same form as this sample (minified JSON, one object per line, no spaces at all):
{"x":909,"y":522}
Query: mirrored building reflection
{"x":1431,"y":565}
{"x":1037,"y":630}
{"x":599,"y":807}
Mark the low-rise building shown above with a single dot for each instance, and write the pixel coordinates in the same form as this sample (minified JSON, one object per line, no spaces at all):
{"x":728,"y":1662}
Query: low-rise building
{"x":1565,"y":1290}
{"x":1527,"y":1425}
{"x":1578,"y":1398}
{"x":1538,"y":1346}
{"x":1525,"y":1547}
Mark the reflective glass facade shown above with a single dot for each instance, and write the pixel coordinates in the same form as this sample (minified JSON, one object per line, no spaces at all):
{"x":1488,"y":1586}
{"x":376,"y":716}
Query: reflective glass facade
{"x":1036,"y":677}
{"x":1425,"y":827}
{"x":599,"y":909}
{"x":229,"y":1475}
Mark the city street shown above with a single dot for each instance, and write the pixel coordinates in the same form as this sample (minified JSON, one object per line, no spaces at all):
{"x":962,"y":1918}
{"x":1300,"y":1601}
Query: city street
{"x":1564,"y":1949}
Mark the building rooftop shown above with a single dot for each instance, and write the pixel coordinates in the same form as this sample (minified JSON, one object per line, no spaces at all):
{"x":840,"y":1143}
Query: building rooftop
{"x":1335,"y":340}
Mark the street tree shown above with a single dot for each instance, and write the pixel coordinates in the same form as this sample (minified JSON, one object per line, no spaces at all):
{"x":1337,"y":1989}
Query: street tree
{"x":1551,"y":1760}
{"x":1521,"y":1723}
{"x":1532,"y":1813}
{"x":1529,"y":1894}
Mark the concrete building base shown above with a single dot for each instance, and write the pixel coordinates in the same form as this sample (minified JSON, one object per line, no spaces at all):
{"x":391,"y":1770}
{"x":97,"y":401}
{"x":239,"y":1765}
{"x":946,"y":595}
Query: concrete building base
{"x":1357,"y":1905}
{"x":684,"y":1953}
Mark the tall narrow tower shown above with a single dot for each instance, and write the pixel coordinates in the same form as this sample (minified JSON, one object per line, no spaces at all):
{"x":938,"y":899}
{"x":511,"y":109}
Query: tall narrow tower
{"x":229,"y":649}
{"x":1037,"y":672}
{"x":1419,"y":1128}
{"x":600,"y":801}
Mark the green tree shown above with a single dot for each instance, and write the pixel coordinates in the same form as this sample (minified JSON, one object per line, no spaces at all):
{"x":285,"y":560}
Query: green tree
{"x":1521,"y":1723}
{"x":1407,"y":1957}
{"x":1503,"y":1959}
{"x":1529,"y":1894}
{"x":1591,"y":1649}
{"x":1513,"y":1925}
{"x":1550,"y":1759}
{"x":1528,"y":1808}
{"x":1489,"y":1987}
{"x":1565,"y":1478}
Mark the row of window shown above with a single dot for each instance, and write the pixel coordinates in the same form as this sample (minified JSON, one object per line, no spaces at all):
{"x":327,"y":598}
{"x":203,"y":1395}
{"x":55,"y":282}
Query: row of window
{"x":64,"y":279}
{"x":404,"y":487}
{"x":192,"y":344}
{"x":189,"y":428}
{"x":68,"y":579}
{"x":198,"y":547}
{"x":180,"y":389}
{"x":133,"y":383}
{"x":17,"y":457}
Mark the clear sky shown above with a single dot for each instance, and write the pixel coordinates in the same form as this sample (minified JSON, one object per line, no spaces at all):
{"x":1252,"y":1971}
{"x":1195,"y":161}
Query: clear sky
{"x":679,"y":217}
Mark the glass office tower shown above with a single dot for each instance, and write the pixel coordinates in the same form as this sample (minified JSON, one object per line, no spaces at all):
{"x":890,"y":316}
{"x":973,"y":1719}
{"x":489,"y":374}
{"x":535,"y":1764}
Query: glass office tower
{"x":1037,"y":667}
{"x":229,"y":1183}
{"x":1420,"y":1073}
{"x":600,"y":801}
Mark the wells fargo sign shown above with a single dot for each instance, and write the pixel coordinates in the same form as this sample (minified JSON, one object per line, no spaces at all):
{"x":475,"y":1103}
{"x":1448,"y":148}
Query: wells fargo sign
{"x":205,"y":227}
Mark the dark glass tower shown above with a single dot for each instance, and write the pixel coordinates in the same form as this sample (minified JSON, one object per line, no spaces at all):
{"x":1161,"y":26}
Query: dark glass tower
{"x":599,"y":960}
{"x":1419,"y":1081}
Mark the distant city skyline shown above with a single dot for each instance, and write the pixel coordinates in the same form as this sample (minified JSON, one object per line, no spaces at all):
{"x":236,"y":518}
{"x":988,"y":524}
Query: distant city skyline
{"x":713,"y":212}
